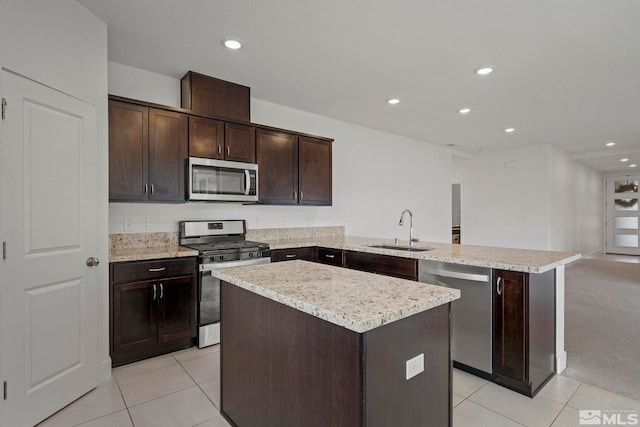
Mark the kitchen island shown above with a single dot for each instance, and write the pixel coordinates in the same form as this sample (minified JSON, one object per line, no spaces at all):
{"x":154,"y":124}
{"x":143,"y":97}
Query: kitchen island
{"x":315,"y":345}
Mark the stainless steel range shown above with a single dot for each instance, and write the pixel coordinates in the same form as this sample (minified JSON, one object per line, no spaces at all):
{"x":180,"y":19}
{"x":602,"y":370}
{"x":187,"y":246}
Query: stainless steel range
{"x":221,"y":244}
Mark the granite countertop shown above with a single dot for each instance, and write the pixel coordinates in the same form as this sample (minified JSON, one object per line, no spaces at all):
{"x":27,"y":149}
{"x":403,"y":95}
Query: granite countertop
{"x":153,"y":252}
{"x":523,"y":260}
{"x":352,"y":299}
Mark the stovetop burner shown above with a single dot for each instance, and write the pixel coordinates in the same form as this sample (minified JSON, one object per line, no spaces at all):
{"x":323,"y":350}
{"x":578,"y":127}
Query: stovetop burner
{"x":220,"y":241}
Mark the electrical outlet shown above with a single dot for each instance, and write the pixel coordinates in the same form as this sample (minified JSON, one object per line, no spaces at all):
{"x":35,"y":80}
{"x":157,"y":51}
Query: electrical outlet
{"x":149,"y":223}
{"x":415,"y":366}
{"x":127,"y":225}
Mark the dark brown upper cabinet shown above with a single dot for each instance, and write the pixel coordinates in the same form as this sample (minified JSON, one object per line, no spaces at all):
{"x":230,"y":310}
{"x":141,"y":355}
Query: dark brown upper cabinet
{"x":293,"y":169}
{"x":314,"y":171}
{"x":215,"y":139}
{"x":147,"y":153}
{"x":213,"y":97}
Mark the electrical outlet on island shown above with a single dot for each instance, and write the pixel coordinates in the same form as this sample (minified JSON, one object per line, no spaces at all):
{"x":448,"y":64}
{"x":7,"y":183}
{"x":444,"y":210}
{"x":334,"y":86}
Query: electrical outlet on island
{"x":149,"y":223}
{"x":127,"y":225}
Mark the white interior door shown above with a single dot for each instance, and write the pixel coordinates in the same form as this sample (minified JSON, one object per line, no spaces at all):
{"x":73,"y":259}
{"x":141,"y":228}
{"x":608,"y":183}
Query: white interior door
{"x":50,"y":180}
{"x":622,"y":214}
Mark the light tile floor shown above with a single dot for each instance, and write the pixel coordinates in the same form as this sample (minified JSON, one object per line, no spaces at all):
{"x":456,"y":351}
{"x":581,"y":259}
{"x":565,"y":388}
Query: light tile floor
{"x":183,"y":389}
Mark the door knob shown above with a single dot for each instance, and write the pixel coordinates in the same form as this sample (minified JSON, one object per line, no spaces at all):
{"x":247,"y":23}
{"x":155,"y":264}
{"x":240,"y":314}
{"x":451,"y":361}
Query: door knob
{"x":93,"y":261}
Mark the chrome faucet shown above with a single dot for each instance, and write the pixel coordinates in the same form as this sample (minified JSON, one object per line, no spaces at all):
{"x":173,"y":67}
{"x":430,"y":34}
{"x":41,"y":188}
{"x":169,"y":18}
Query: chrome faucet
{"x":411,"y":239}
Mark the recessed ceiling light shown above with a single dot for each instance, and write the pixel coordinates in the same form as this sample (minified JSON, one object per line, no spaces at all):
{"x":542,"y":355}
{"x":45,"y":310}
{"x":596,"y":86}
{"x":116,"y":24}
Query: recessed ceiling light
{"x":610,"y":144}
{"x":393,"y":101}
{"x":509,"y":130}
{"x":633,"y":165}
{"x":464,"y":110}
{"x":232,"y":43}
{"x":484,"y":71}
{"x":624,"y":160}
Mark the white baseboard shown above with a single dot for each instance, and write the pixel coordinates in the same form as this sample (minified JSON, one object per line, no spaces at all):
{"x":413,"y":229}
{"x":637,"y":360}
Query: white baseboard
{"x":561,"y":362}
{"x":104,"y":370}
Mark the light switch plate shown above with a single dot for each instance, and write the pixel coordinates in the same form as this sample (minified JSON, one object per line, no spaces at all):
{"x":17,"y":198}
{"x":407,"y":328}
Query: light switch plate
{"x":415,"y":366}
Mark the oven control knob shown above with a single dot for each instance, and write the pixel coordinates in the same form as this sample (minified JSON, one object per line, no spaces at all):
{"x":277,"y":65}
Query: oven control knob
{"x":221,"y":257}
{"x":212,"y":259}
{"x":250,"y":254}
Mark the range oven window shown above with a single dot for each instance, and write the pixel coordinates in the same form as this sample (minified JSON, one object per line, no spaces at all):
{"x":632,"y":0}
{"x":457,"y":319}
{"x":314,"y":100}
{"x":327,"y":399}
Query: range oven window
{"x":209,"y":299}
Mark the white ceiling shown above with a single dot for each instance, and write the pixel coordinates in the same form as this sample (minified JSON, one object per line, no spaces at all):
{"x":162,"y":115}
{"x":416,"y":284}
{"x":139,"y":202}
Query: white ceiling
{"x":567,"y":72}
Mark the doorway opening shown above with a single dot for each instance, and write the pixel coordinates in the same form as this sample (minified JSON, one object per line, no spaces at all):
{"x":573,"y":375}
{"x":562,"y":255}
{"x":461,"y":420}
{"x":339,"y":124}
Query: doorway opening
{"x":622,"y":214}
{"x":455,"y":212}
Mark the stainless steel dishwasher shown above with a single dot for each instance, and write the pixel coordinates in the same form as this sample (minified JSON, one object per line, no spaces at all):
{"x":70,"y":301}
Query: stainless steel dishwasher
{"x":471,"y":315}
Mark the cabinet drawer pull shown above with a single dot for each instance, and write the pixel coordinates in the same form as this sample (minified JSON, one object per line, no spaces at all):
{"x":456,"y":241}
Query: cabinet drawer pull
{"x":161,"y":291}
{"x":155,"y":270}
{"x":290,"y":255}
{"x":499,"y":286}
{"x":330,"y":256}
{"x":154,"y":292}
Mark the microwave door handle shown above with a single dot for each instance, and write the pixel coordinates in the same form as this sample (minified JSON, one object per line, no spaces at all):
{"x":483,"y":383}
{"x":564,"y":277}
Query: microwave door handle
{"x":247,"y":182}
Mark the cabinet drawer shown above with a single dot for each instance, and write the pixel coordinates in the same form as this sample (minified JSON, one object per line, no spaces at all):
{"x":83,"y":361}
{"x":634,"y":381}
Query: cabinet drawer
{"x":330,"y":256}
{"x":404,"y":268}
{"x":134,"y":271}
{"x":306,"y":254}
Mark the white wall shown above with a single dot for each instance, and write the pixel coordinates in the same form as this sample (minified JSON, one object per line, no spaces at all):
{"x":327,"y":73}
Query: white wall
{"x":504,"y":206}
{"x":533,"y":198}
{"x":375,"y":175}
{"x":576,"y":208}
{"x":62,"y":45}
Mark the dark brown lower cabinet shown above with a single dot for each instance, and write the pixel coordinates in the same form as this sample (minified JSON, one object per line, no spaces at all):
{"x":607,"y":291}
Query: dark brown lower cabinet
{"x":283,"y":367}
{"x":524,"y":330}
{"x":305,"y":254}
{"x":154,"y":312}
{"x":330,"y":256}
{"x":404,"y":268}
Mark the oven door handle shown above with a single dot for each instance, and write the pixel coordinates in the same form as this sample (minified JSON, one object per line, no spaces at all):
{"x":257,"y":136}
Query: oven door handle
{"x":240,"y":263}
{"x":247,"y":182}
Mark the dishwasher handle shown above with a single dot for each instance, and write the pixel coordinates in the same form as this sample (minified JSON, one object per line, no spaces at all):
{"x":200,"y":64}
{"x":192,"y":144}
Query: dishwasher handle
{"x":458,"y":275}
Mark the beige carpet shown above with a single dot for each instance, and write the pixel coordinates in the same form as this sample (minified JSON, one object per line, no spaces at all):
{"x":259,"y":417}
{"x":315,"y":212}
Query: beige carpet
{"x":602,"y":325}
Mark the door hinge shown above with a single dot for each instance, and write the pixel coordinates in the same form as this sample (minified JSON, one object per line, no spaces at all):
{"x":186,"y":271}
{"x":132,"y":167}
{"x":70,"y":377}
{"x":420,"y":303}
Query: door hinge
{"x":4,"y":250}
{"x":5,"y":390}
{"x":4,"y":108}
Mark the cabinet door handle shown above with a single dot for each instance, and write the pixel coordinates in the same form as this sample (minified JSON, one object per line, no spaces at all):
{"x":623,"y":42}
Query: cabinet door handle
{"x":219,"y":149}
{"x":295,"y":196}
{"x":155,"y":270}
{"x":290,"y":255}
{"x":161,"y":291}
{"x":154,"y":292}
{"x":301,"y":195}
{"x":152,"y":189}
{"x":146,"y":189}
{"x":228,"y":150}
{"x":330,"y":256}
{"x":499,"y":286}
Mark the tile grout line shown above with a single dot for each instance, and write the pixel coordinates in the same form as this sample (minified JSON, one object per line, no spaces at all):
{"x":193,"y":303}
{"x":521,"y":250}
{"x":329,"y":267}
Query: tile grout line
{"x":124,"y":401}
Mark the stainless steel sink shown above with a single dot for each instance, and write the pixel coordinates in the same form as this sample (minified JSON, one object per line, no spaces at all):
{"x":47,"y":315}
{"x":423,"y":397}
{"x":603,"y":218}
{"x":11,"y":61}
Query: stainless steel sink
{"x":401,"y":248}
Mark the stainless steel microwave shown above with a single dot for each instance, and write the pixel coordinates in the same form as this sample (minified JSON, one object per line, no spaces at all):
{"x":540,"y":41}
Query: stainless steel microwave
{"x":222,"y":181}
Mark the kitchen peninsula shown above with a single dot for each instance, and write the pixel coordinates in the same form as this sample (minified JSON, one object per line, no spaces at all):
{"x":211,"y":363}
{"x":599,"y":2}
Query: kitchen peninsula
{"x":317,"y":345}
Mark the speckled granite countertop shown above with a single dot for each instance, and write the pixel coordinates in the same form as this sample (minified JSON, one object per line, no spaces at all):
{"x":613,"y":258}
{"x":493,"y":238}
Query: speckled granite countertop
{"x":154,"y":252}
{"x":352,"y":299}
{"x":523,"y":260}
